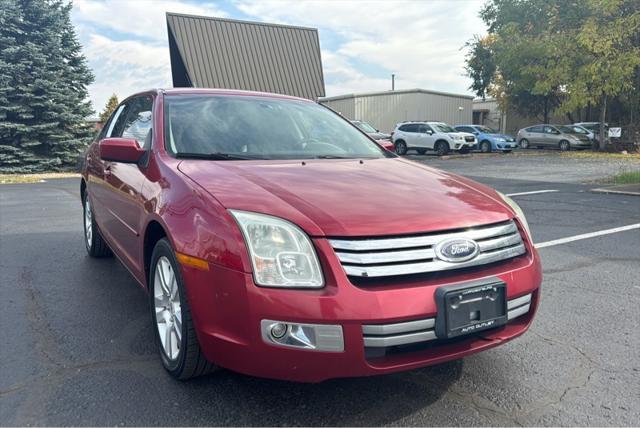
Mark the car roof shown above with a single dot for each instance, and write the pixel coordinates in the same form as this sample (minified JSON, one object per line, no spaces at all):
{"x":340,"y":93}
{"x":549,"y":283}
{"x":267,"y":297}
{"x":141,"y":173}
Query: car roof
{"x":217,"y":91}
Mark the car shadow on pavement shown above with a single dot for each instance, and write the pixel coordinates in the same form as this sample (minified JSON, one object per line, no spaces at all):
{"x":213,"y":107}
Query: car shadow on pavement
{"x":367,"y":401}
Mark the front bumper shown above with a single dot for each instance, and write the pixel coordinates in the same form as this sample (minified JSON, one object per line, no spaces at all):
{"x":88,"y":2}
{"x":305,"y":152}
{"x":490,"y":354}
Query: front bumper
{"x":463,"y":145}
{"x":228,"y":310}
{"x":580,"y":144}
{"x":509,"y":145}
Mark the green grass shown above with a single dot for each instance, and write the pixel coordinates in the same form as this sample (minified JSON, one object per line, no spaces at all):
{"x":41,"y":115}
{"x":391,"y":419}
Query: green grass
{"x":33,"y":178}
{"x":630,"y":177}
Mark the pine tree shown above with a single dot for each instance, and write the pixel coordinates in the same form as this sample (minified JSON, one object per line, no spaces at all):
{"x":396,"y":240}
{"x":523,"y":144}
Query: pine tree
{"x":109,"y":108}
{"x":43,"y":87}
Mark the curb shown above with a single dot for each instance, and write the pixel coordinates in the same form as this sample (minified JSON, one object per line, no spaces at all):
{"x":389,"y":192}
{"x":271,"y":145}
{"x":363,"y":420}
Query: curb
{"x":615,"y":192}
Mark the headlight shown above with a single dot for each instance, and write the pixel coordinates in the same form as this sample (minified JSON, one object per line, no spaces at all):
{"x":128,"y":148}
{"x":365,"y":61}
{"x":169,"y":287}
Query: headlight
{"x":518,"y":211}
{"x":458,"y":137}
{"x":501,"y":140}
{"x":281,"y":254}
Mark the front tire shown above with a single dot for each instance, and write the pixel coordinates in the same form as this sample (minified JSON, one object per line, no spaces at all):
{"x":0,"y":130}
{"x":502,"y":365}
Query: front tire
{"x":485,"y":147}
{"x":401,"y":147}
{"x":524,"y":143}
{"x":93,"y":241}
{"x":564,"y":146}
{"x":442,"y":148}
{"x":174,"y":330}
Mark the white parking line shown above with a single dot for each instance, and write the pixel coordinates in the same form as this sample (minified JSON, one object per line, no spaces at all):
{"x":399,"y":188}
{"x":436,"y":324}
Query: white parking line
{"x":535,"y":192}
{"x":587,"y":236}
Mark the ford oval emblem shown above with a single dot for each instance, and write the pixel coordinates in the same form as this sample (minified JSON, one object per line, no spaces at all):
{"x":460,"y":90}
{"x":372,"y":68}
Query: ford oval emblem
{"x":456,"y":250}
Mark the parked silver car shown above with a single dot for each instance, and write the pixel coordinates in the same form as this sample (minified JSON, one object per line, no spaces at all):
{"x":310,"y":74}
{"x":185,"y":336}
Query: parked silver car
{"x":557,"y":136}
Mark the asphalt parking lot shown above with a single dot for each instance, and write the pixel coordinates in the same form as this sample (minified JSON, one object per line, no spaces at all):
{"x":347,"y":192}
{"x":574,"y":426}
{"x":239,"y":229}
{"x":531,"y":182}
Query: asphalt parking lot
{"x":77,"y":340}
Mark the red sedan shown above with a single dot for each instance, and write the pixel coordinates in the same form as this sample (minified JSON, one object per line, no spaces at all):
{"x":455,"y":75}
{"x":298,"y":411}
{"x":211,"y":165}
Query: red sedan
{"x":276,"y":239}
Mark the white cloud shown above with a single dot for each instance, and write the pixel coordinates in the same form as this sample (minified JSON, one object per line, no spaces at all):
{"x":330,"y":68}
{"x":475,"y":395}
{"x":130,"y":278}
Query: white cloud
{"x":138,"y":58}
{"x":145,"y":19}
{"x":125,"y":67}
{"x":419,"y":41}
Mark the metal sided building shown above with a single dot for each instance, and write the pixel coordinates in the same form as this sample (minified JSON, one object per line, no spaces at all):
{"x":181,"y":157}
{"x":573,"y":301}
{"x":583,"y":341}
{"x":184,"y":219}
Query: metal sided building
{"x":385,"y":109}
{"x":210,"y":52}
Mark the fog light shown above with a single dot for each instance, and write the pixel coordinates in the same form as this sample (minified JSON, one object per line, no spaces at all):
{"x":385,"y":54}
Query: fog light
{"x":314,"y":337}
{"x":278,"y":330}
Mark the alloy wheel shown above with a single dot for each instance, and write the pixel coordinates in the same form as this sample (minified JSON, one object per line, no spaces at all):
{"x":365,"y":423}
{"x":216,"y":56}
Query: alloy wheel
{"x":442,"y":148}
{"x":524,"y":144}
{"x":88,"y":223}
{"x":167,"y":308}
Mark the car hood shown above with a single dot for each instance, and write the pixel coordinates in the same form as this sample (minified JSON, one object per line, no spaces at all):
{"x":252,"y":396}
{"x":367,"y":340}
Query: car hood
{"x":505,"y":136}
{"x":461,"y":134}
{"x":348,"y":197}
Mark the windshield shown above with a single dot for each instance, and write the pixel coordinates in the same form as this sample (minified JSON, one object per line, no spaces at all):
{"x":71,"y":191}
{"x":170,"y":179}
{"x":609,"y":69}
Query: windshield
{"x":365,"y":127}
{"x":244,"y":127}
{"x":443,"y":127}
{"x":579,"y":129}
{"x":566,"y":130}
{"x":486,"y":130}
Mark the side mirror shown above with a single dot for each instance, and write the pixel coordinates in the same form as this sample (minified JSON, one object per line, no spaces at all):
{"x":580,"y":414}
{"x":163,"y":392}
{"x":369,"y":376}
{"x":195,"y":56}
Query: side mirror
{"x":124,"y":150}
{"x":430,"y":132}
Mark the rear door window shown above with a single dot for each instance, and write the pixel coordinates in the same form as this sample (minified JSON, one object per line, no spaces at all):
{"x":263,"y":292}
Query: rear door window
{"x":411,"y":127}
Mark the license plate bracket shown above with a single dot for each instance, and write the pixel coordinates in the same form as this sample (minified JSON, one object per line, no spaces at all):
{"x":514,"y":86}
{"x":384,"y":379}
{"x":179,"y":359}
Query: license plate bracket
{"x":470,"y":307}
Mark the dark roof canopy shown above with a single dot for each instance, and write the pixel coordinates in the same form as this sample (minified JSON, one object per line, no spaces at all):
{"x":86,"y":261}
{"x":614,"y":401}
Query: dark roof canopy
{"x":223,"y":53}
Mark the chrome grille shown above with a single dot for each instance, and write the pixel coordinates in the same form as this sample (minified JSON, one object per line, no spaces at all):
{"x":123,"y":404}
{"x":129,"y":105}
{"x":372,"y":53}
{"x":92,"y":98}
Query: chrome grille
{"x":469,"y":138}
{"x":377,"y":257}
{"x":405,"y":333}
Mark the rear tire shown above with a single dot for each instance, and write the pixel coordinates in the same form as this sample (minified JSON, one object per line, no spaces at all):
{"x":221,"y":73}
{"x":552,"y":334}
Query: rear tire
{"x":442,"y":148}
{"x":93,"y":241}
{"x":485,"y":147}
{"x":179,"y":351}
{"x":401,"y":147}
{"x":564,"y":146}
{"x":421,"y":151}
{"x":524,"y":144}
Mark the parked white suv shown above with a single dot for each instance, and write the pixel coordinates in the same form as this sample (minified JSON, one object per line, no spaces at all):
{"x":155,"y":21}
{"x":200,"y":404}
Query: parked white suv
{"x":436,"y":136}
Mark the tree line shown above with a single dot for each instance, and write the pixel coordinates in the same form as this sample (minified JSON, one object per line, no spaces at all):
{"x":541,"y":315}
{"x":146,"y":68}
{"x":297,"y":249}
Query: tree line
{"x":580,"y":58}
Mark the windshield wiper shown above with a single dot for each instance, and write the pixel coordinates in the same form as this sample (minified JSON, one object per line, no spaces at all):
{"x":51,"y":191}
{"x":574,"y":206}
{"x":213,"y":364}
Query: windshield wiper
{"x":331,"y":157}
{"x":212,"y":156}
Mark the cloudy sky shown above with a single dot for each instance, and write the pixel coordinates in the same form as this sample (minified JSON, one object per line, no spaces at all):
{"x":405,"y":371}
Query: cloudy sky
{"x":362,"y":42}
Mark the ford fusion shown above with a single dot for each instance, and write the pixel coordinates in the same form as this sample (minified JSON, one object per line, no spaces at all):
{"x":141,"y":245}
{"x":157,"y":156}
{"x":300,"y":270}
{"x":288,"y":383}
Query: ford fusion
{"x":276,"y":239}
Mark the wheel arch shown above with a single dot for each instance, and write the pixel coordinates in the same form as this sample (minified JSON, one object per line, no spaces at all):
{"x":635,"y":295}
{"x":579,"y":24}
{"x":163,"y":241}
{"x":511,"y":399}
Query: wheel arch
{"x":83,"y":189}
{"x":442,"y":140}
{"x":153,"y":233}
